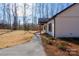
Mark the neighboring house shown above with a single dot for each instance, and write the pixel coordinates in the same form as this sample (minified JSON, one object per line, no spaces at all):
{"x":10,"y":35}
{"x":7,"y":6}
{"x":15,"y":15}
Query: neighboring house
{"x":65,"y":23}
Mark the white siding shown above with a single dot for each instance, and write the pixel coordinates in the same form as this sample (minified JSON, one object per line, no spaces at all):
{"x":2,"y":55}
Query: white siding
{"x":45,"y":30}
{"x":51,"y":33}
{"x":67,"y":23}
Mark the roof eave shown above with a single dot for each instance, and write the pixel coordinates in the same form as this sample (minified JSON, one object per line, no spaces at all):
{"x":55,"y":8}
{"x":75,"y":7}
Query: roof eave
{"x":61,"y":12}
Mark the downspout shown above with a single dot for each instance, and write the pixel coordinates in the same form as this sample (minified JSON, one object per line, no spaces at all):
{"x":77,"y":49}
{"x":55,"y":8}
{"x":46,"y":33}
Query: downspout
{"x":54,"y":28}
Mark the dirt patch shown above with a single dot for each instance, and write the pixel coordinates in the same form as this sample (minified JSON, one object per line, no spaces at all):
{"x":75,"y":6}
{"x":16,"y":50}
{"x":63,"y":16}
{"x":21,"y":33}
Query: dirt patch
{"x":57,"y":47}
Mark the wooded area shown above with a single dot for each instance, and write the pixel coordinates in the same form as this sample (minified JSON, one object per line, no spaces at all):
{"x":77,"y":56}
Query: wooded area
{"x":11,"y":18}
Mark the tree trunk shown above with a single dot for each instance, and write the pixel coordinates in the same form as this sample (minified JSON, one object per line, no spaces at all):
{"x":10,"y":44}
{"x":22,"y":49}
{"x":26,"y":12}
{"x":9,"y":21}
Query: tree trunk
{"x":15,"y":18}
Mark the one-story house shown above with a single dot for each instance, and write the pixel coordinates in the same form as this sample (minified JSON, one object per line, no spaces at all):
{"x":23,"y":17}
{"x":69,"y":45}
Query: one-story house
{"x":63,"y":24}
{"x":42,"y":25}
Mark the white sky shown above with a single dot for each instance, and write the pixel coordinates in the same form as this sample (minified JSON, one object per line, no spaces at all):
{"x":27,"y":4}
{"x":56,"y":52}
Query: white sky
{"x":20,"y":9}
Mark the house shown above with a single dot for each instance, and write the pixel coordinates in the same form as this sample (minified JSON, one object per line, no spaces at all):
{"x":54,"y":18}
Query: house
{"x":65,"y":23}
{"x":42,"y":22}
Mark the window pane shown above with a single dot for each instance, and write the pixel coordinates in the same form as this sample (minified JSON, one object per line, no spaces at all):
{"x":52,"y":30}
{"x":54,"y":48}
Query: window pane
{"x":50,"y":27}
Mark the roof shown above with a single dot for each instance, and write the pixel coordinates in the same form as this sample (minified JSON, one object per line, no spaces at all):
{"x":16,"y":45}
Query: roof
{"x":42,"y":20}
{"x":61,"y":12}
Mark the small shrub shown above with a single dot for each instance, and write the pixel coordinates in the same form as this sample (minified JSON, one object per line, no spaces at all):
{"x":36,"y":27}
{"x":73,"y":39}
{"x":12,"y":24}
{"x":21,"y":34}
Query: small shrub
{"x":50,"y":42}
{"x":64,"y":43}
{"x":62,"y":47}
{"x":47,"y":38}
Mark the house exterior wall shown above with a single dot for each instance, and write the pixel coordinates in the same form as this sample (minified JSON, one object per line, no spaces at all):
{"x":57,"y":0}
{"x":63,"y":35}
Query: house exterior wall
{"x":52,"y":22}
{"x":67,"y":23}
{"x":45,"y":28}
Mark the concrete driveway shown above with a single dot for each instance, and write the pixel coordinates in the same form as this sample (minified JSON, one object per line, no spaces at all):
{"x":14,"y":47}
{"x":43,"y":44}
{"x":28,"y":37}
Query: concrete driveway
{"x":32,"y":48}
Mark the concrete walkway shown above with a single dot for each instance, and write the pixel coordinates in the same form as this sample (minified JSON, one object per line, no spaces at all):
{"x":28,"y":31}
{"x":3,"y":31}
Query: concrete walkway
{"x":32,"y":48}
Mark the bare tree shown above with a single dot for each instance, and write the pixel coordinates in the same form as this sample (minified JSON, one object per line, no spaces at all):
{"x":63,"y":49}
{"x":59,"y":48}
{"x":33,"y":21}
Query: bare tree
{"x":19,"y":24}
{"x":15,"y":17}
{"x":32,"y":14}
{"x":52,"y":8}
{"x":46,"y":10}
{"x":8,"y":16}
{"x":40,"y":11}
{"x":24,"y":16}
{"x":4,"y":15}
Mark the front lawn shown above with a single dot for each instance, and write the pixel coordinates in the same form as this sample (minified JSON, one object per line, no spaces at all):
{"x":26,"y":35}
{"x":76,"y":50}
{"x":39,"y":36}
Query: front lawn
{"x":15,"y":38}
{"x":2,"y":31}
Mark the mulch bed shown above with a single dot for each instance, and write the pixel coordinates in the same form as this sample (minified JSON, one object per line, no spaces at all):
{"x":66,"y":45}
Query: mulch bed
{"x":58,"y":47}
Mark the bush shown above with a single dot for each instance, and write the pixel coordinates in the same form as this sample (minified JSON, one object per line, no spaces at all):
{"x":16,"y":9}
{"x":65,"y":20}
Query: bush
{"x":48,"y":38}
{"x":62,"y":47}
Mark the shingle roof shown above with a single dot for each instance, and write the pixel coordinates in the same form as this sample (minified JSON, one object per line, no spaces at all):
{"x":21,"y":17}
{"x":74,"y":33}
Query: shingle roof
{"x":42,"y":20}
